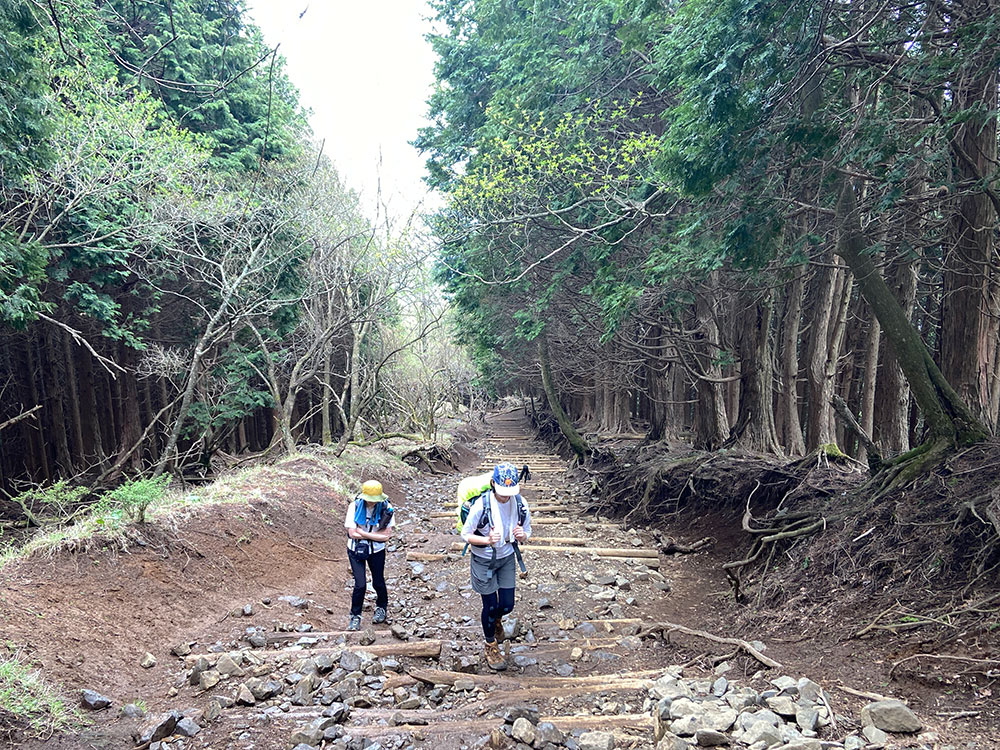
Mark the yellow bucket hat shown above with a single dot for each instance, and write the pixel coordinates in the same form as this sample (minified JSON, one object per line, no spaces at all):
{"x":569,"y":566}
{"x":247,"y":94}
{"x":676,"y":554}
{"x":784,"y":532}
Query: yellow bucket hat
{"x":371,"y":491}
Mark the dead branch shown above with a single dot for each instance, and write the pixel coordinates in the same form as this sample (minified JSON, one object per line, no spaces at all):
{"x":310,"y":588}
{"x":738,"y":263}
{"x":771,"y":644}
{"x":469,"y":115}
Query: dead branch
{"x":19,"y":417}
{"x":671,"y":546}
{"x":943,"y":657}
{"x":670,"y":627}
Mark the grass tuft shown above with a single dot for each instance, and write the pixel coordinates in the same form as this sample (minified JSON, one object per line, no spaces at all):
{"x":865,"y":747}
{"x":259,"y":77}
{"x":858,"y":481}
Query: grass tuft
{"x":29,"y":705}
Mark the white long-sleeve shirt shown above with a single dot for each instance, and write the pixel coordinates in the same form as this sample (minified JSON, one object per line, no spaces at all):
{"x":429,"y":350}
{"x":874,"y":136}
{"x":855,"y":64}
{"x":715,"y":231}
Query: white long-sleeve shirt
{"x":504,"y":516}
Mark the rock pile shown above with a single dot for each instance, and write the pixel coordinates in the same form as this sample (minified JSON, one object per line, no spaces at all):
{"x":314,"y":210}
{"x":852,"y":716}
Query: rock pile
{"x":791,"y":714}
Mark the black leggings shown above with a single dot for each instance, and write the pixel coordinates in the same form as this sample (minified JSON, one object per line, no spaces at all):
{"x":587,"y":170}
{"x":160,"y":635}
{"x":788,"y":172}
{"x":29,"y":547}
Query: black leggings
{"x":376,"y":561}
{"x":495,"y":606}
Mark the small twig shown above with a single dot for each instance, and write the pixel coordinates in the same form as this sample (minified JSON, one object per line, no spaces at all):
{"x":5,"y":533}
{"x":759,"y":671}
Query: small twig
{"x":943,"y":657}
{"x":860,"y":693}
{"x":309,"y":552}
{"x":952,"y":715}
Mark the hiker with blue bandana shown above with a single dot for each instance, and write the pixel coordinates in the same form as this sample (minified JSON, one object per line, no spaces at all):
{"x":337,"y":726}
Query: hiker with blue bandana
{"x":497,"y":523}
{"x":369,"y":525}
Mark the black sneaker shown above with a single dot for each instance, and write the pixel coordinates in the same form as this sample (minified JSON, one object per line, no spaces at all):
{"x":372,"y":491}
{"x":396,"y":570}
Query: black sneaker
{"x":379,"y":615}
{"x":355,"y":623}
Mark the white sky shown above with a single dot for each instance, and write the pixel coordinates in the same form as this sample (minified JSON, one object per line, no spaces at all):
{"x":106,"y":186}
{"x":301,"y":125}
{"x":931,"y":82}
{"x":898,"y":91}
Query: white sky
{"x":365,"y":70}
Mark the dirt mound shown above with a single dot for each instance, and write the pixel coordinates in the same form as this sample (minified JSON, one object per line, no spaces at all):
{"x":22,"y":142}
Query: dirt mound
{"x":87,"y":616}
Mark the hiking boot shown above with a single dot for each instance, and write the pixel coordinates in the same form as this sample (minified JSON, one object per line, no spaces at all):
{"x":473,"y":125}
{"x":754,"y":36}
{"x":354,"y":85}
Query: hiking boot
{"x":498,"y":631}
{"x":379,"y":615}
{"x":494,"y":658}
{"x":355,"y":623}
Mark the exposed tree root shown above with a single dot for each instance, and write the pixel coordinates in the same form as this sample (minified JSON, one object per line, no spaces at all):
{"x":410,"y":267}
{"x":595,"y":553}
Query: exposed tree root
{"x":429,"y":454}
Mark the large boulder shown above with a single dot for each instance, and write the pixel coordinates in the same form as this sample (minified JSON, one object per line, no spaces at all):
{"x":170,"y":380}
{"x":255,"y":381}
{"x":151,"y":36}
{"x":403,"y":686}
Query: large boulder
{"x":93,"y":700}
{"x":890,"y":716}
{"x":158,"y":728}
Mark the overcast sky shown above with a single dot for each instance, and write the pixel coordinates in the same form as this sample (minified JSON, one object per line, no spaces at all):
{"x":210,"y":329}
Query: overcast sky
{"x":365,"y":71}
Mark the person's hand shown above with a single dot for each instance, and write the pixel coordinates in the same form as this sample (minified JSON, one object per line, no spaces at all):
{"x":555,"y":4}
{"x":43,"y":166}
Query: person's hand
{"x":494,"y":536}
{"x":519,"y":534}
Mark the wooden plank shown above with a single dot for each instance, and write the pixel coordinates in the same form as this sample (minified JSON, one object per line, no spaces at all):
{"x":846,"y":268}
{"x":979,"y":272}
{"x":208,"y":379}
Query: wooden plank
{"x":545,"y":626}
{"x":425,"y":557}
{"x":599,"y":551}
{"x":437,"y":722}
{"x":546,"y":508}
{"x":426,"y":648}
{"x":534,"y":521}
{"x":514,"y":682}
{"x":577,"y":541}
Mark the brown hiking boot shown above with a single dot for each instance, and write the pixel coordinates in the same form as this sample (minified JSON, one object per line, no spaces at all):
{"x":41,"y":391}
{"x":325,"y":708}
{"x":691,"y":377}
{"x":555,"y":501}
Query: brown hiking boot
{"x":494,"y":658}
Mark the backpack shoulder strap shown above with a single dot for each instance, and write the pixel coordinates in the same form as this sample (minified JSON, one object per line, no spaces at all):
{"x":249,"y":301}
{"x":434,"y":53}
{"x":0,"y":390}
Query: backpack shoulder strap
{"x":486,"y":517}
{"x":522,"y":514}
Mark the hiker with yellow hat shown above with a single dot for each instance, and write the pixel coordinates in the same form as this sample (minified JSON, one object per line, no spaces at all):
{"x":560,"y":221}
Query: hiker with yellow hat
{"x":369,"y":525}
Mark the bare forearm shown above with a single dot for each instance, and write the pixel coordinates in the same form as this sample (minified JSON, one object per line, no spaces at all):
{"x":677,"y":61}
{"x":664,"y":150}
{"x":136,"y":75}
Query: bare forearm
{"x":377,"y":536}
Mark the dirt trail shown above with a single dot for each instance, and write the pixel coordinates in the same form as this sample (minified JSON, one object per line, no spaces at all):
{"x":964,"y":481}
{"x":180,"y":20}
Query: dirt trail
{"x":575,"y":655}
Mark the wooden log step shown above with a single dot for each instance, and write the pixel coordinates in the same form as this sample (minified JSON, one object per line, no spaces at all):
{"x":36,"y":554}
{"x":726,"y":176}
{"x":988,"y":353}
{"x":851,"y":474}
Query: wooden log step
{"x":605,"y":626}
{"x":599,"y":551}
{"x":436,"y":722}
{"x":426,"y":648}
{"x":577,"y":541}
{"x":539,"y":509}
{"x":546,"y":508}
{"x":425,"y":557}
{"x":513,"y":682}
{"x":534,"y":521}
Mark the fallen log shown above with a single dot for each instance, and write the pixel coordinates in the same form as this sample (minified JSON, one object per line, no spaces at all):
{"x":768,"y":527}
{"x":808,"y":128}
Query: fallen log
{"x":671,"y":546}
{"x":547,"y":508}
{"x":670,"y":627}
{"x":577,"y":541}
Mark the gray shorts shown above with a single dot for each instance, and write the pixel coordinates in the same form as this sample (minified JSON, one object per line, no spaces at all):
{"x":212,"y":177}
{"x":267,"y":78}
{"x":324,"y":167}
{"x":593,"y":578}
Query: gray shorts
{"x":490,"y":575}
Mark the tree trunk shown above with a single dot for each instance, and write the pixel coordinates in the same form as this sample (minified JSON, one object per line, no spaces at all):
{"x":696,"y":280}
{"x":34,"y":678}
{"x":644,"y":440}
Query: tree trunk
{"x":948,"y":418}
{"x":54,"y":378}
{"x":868,"y":384}
{"x":891,"y":427}
{"x":711,"y":420}
{"x":819,"y":386}
{"x":754,"y":428}
{"x":970,"y":314}
{"x":575,"y":440}
{"x":657,"y":386}
{"x":791,"y":426}
{"x":326,"y":396}
{"x":72,"y":381}
{"x":39,"y":444}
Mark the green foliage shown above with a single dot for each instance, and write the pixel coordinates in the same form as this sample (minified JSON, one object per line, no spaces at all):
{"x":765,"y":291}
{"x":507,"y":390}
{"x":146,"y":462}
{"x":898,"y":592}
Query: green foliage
{"x":29,"y":703}
{"x":56,"y":503}
{"x":213,"y":73}
{"x":130,"y":500}
{"x":24,"y":101}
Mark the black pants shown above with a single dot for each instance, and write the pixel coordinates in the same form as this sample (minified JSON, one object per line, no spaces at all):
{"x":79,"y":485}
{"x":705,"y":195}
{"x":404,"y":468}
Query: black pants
{"x":376,"y":562}
{"x":495,"y":606}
